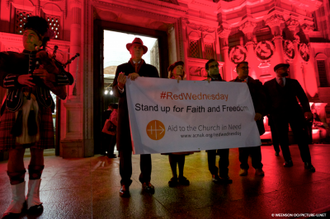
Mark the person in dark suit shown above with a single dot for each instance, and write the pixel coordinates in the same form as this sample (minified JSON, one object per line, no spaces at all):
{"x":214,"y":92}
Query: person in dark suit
{"x":259,"y":103}
{"x":133,"y":69}
{"x":212,"y":68}
{"x":283,"y":107}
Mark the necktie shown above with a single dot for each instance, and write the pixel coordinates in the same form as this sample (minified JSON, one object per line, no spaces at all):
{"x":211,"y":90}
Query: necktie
{"x":136,"y":67}
{"x":280,"y":82}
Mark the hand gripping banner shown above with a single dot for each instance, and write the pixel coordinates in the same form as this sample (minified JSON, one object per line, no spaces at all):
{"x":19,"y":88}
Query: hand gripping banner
{"x":170,"y":116}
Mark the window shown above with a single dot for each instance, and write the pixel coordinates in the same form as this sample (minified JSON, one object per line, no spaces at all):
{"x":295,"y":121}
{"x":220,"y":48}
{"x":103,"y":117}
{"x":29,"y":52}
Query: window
{"x":201,"y":44}
{"x":54,"y":24}
{"x":194,"y":49}
{"x":209,"y":52}
{"x":20,"y":20}
{"x":322,"y":73}
{"x":236,"y":38}
{"x":264,"y":34}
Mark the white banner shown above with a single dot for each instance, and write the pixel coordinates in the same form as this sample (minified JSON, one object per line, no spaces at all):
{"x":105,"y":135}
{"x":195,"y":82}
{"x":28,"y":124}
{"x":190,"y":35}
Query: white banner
{"x":167,"y":116}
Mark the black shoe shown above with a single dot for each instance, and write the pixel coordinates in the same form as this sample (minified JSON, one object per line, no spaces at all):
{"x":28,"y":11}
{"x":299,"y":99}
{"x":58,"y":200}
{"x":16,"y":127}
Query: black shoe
{"x":225,"y":180}
{"x":259,"y":172}
{"x":148,"y":188}
{"x":288,"y":163}
{"x":184,"y":181}
{"x":11,"y":216}
{"x":36,"y":210}
{"x":310,"y":167}
{"x":173,"y":182}
{"x":112,"y":156}
{"x":215,"y":179}
{"x":124,"y":191}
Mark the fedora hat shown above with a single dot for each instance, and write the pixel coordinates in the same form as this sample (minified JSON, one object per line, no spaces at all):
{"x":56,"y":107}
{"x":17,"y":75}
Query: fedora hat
{"x":137,"y":41}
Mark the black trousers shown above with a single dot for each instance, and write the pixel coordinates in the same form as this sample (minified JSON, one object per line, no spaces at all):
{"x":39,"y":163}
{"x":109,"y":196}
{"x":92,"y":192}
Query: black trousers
{"x":109,"y":142}
{"x":126,"y":167}
{"x":298,"y":127}
{"x":275,"y":137}
{"x":223,"y":162}
{"x":255,"y":153}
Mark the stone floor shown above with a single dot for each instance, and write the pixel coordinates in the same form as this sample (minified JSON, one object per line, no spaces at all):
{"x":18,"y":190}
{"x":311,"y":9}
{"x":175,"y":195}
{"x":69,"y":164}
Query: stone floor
{"x":88,"y":188}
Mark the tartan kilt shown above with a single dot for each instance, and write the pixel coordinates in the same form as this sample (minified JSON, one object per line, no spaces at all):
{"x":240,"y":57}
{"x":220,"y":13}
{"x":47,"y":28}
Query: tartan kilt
{"x":46,"y":140}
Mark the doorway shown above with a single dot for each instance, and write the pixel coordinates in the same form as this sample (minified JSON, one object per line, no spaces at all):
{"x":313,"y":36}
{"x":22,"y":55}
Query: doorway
{"x":115,"y":53}
{"x":110,"y":41}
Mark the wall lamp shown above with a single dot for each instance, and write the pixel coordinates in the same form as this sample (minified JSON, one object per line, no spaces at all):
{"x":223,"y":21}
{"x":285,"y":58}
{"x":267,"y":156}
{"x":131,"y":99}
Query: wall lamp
{"x":108,"y":90}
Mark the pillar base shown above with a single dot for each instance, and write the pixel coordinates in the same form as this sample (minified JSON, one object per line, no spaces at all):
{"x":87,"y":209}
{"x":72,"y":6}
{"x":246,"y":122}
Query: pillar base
{"x":72,"y":148}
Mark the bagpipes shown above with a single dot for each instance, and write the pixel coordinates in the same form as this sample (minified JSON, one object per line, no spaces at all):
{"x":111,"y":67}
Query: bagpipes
{"x":51,"y":64}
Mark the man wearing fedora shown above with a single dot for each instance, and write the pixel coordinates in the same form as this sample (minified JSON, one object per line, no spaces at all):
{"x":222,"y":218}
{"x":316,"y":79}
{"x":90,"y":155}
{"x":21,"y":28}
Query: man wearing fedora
{"x":133,"y":69}
{"x":283,"y":107}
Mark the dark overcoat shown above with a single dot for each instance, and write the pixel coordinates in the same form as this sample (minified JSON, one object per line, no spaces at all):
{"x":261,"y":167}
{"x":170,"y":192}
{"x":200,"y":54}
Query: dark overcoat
{"x":284,"y":100}
{"x":258,"y":98}
{"x":123,"y":129}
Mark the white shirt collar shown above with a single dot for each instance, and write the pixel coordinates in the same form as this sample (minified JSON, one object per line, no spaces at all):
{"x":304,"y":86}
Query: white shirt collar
{"x":135,"y":61}
{"x":284,"y":80}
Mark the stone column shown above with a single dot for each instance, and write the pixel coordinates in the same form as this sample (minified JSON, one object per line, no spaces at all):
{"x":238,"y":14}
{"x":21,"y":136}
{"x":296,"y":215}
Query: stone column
{"x":247,"y":28}
{"x":274,"y":22}
{"x":309,"y":67}
{"x":223,"y":33}
{"x":295,"y":70}
{"x":72,"y":120}
{"x":75,"y":47}
{"x":182,"y":44}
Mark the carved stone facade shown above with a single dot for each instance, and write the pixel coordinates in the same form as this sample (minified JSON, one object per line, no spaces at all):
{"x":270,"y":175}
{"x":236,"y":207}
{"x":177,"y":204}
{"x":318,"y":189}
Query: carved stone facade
{"x":264,"y":33}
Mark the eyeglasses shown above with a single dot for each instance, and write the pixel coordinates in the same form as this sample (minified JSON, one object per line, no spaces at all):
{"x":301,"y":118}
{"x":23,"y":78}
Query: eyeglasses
{"x":214,"y":66}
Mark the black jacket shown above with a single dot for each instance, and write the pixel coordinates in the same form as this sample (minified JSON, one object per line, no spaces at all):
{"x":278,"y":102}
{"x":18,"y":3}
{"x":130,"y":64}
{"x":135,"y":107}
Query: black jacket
{"x":123,"y":129}
{"x":258,"y":98}
{"x":284,"y":99}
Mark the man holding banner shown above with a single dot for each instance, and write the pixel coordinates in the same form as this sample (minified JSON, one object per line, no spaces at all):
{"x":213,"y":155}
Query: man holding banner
{"x":259,"y":103}
{"x":212,"y":68}
{"x":135,"y":68}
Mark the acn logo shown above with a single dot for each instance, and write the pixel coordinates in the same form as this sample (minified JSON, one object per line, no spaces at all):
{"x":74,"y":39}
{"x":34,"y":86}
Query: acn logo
{"x":155,"y":130}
